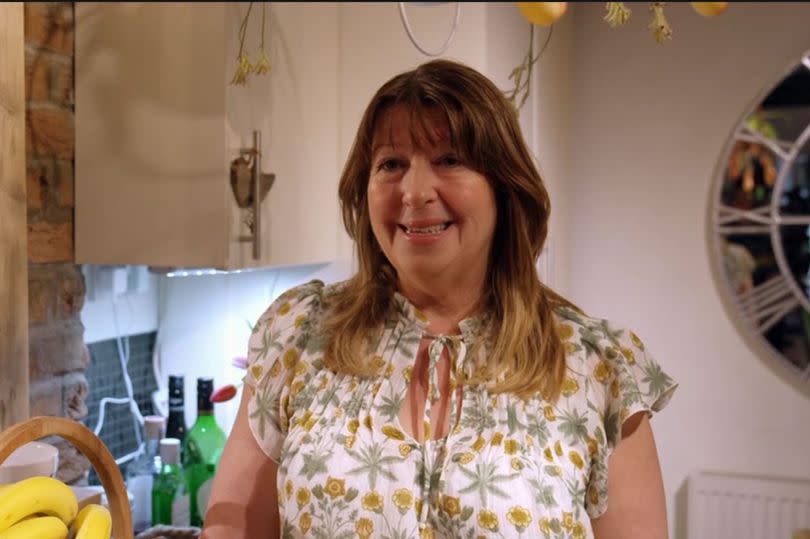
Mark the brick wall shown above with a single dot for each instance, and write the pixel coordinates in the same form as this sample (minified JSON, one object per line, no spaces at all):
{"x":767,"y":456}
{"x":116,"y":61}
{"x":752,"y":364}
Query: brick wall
{"x":58,"y":354}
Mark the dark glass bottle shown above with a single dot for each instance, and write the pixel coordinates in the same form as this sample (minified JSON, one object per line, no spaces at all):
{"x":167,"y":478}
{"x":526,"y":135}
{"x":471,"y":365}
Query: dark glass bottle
{"x":176,"y":424}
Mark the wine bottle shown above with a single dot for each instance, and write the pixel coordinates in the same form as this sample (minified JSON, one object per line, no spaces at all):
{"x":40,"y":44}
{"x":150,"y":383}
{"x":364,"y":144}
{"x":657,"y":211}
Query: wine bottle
{"x":176,"y":425}
{"x":170,"y":502}
{"x":142,"y":471}
{"x":203,"y":449}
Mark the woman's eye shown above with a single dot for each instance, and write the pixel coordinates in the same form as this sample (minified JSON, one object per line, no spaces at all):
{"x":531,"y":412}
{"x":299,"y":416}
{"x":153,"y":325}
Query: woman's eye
{"x":449,"y":161}
{"x":388,"y":165}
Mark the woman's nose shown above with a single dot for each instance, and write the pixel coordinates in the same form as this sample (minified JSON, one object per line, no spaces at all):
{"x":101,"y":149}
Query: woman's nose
{"x":418,"y":187}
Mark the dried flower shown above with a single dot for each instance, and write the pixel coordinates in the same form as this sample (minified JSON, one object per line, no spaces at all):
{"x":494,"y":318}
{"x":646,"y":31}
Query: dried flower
{"x":617,"y":13}
{"x":243,"y":69}
{"x":263,"y":65}
{"x":659,"y":25}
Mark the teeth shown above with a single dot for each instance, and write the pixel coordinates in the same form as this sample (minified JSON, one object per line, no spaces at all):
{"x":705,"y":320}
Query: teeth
{"x":428,"y":230}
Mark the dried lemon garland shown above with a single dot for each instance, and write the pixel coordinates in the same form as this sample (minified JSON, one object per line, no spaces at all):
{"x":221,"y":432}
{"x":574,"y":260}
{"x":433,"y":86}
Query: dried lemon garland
{"x":243,"y":66}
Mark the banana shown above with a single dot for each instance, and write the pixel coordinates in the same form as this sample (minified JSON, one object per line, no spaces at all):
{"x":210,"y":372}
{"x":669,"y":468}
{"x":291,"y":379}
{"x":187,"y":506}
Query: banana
{"x":93,"y":522}
{"x":41,"y":528}
{"x":43,"y":495}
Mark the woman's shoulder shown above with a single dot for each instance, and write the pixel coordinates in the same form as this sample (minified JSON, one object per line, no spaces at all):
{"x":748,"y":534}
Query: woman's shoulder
{"x":306,"y":301}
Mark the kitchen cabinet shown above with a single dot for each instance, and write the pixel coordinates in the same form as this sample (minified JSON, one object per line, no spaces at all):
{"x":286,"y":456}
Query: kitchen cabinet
{"x":158,"y":124}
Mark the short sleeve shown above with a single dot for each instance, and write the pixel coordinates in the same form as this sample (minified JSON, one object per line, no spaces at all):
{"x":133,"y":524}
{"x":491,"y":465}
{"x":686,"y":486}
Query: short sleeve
{"x":632,"y":381}
{"x":273,"y":362}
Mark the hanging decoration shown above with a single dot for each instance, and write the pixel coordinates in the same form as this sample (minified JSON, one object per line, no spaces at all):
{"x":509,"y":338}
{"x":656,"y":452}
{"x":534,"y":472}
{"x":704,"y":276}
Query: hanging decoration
{"x":244,"y":67}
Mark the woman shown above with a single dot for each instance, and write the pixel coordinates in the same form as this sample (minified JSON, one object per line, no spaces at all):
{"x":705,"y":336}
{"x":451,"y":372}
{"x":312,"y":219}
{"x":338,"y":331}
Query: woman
{"x":443,"y":391}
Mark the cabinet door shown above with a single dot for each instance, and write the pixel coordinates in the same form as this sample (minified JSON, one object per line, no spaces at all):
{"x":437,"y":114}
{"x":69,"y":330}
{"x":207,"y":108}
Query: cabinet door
{"x":151,"y":175}
{"x":295,"y":107}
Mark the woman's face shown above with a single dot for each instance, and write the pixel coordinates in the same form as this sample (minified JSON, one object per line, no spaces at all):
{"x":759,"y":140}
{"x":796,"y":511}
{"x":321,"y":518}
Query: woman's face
{"x":432,"y":216}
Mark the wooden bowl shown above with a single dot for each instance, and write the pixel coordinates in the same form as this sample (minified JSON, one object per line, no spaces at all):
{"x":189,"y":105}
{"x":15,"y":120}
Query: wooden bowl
{"x":91,"y":447}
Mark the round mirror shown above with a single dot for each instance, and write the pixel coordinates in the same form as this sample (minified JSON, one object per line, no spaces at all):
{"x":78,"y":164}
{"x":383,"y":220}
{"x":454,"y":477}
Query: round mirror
{"x":759,"y":225}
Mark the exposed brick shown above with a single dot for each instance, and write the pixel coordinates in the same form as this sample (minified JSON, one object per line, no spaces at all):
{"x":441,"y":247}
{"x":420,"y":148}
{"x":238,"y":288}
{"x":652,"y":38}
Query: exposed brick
{"x":49,"y":25}
{"x":72,"y":464}
{"x":74,"y":391}
{"x":37,"y":76}
{"x":35,"y":186}
{"x":40,"y":294}
{"x":49,"y":132}
{"x":46,"y":397}
{"x":65,"y":197}
{"x":70,"y":298}
{"x":50,"y":242}
{"x":57,"y":349}
{"x":61,"y":82}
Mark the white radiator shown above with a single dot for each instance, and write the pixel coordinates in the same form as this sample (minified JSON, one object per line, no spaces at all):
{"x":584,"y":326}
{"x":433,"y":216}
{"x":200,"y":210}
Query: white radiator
{"x":728,"y":506}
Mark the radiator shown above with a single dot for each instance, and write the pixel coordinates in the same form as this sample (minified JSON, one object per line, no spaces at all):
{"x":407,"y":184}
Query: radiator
{"x":729,"y":506}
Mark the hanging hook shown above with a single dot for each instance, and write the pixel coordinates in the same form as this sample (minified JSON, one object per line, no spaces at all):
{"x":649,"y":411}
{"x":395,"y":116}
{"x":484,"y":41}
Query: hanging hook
{"x":404,"y":17}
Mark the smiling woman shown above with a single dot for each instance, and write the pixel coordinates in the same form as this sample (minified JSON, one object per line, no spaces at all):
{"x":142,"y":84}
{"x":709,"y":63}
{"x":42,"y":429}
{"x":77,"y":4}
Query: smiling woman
{"x":444,"y":390}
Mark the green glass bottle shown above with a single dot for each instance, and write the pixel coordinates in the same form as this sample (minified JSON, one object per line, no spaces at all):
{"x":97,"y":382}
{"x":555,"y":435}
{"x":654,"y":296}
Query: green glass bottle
{"x":170,"y":503}
{"x":203,"y":449}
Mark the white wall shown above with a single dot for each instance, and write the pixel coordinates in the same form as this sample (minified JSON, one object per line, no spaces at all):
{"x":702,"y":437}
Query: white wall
{"x":648,"y":126}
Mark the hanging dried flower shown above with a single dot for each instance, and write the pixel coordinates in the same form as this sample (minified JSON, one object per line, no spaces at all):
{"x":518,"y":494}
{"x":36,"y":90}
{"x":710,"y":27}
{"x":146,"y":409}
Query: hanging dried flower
{"x":243,"y":69}
{"x":263,"y":65}
{"x":659,"y":25}
{"x":243,"y":66}
{"x":617,"y":13}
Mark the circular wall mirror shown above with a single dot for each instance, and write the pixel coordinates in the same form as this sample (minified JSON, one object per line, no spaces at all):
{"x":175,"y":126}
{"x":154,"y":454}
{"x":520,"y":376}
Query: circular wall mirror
{"x":759,"y":224}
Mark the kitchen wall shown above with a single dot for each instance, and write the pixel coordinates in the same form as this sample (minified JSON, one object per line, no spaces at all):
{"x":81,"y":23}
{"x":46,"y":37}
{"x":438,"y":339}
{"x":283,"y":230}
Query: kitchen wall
{"x":648,"y":124}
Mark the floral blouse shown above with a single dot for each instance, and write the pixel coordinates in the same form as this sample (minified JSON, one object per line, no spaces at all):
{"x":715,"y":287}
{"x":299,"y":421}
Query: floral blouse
{"x":508,"y":468}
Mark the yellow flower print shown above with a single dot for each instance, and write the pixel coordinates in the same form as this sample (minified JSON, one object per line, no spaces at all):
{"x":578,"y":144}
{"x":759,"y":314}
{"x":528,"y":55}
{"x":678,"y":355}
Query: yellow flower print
{"x":568,"y":520}
{"x":389,"y":370}
{"x":579,"y":531}
{"x":554,"y":471}
{"x":352,"y":385}
{"x":304,"y":418}
{"x":305,"y":522}
{"x":275,"y":370}
{"x":576,"y":459}
{"x":629,"y":355}
{"x":517,"y":465}
{"x":338,"y":412}
{"x":636,"y":341}
{"x":404,"y":450}
{"x":488,"y":520}
{"x":290,"y":358}
{"x":511,"y":446}
{"x":288,"y":488}
{"x":466,"y":458}
{"x":364,"y":528}
{"x":349,"y":442}
{"x":602,"y":371}
{"x":406,"y":373}
{"x":377,"y":362}
{"x":565,"y":331}
{"x":624,"y":413}
{"x":373,"y":501}
{"x":311,"y":422}
{"x":296,"y":388}
{"x":256,"y":370}
{"x":548,"y":412}
{"x":529,"y":441}
{"x":300,"y":319}
{"x":284,"y":309}
{"x":301,"y":369}
{"x":519,"y":517}
{"x":368,"y":422}
{"x":558,"y":448}
{"x":403,"y":499}
{"x":393,"y":432}
{"x":548,"y":454}
{"x":545,"y":525}
{"x":478,"y":444}
{"x":614,"y":388}
{"x":417,"y":506}
{"x":335,"y":487}
{"x":593,"y":447}
{"x":569,"y":387}
{"x":426,"y":533}
{"x":302,"y":496}
{"x":497,"y":438}
{"x":593,"y":495}
{"x":570,"y":347}
{"x":352,"y":425}
{"x":451,"y":505}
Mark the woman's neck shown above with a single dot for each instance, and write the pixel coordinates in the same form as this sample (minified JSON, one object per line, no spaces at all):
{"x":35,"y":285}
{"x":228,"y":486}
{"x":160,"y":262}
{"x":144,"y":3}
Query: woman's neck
{"x":443,"y":308}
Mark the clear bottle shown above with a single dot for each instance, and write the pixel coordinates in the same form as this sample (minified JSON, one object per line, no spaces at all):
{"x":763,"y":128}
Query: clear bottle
{"x":203,"y":449}
{"x":169,"y":494}
{"x":142,"y":471}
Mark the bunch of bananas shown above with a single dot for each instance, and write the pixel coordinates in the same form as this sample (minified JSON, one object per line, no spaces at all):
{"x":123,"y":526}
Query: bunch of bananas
{"x":46,"y":508}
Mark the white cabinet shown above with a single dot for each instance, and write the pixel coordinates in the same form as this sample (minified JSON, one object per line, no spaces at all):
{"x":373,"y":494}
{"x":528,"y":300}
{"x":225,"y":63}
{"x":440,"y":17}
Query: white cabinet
{"x":158,"y":124}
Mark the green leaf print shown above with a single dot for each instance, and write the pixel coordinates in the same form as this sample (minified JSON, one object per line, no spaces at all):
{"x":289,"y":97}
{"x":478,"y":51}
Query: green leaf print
{"x":478,"y":416}
{"x":543,"y":494}
{"x":574,"y":425}
{"x":485,"y":480}
{"x":266,"y":401}
{"x":270,"y":341}
{"x":657,"y":379}
{"x":314,"y":463}
{"x":373,"y":463}
{"x":538,"y":429}
{"x":390,"y":405}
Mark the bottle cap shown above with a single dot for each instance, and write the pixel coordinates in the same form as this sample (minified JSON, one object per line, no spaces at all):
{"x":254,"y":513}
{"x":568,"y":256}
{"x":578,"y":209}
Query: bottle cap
{"x":153,"y":425}
{"x":205,"y":386}
{"x":170,"y":450}
{"x":176,"y":384}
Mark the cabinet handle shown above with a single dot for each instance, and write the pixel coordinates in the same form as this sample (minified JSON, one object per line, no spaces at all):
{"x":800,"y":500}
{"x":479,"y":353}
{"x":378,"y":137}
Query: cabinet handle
{"x":260,"y":184}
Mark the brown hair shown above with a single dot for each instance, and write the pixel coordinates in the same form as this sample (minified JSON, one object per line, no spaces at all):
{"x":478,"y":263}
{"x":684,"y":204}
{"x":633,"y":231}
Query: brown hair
{"x":526,"y":355}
